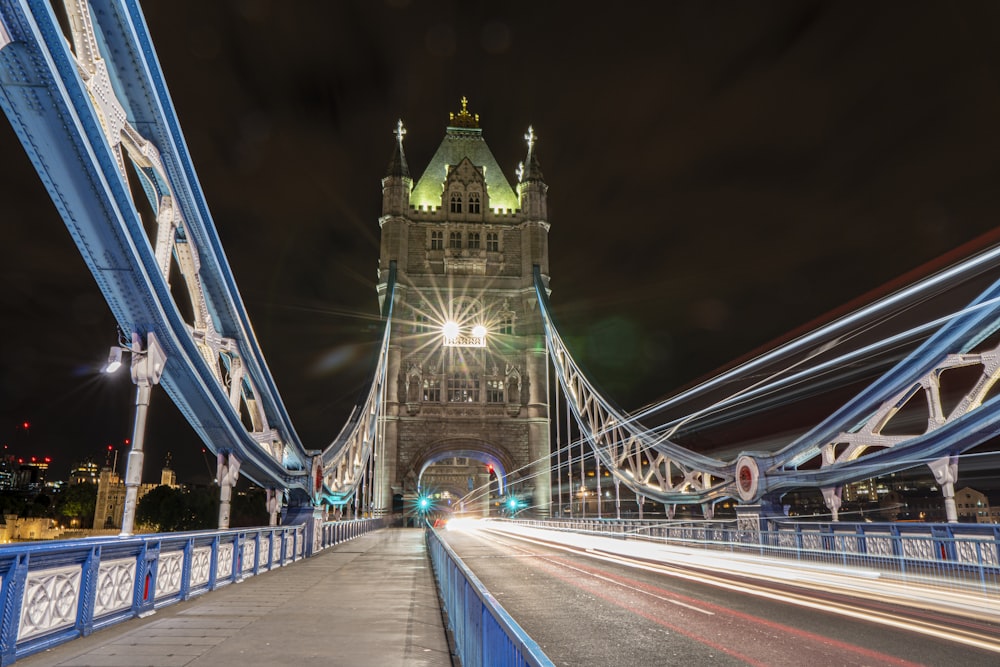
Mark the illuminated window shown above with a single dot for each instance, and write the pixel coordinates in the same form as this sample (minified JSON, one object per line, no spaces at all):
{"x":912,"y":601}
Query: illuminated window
{"x":455,"y":240}
{"x":494,"y":390}
{"x":437,"y":240}
{"x":456,"y":203}
{"x":432,"y":390}
{"x":463,"y":389}
{"x":493,"y":242}
{"x":473,"y":240}
{"x":474,"y":202}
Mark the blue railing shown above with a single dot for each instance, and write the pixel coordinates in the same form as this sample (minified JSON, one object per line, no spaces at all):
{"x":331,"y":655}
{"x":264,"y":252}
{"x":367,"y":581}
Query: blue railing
{"x":484,"y":634}
{"x":955,"y":556}
{"x":54,"y":592}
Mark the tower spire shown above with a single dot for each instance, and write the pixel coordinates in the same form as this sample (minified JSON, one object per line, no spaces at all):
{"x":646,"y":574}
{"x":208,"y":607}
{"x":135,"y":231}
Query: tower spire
{"x":530,"y":170}
{"x":397,"y":163}
{"x":531,"y":185}
{"x":463,"y":118}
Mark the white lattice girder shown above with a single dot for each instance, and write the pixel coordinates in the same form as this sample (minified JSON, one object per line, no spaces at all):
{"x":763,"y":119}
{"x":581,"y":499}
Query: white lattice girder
{"x":345,"y":462}
{"x":119,"y":133}
{"x":652,"y":468}
{"x":854,"y":444}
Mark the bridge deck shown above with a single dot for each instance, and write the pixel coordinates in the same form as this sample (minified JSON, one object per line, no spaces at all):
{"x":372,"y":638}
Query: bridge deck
{"x":368,"y":601}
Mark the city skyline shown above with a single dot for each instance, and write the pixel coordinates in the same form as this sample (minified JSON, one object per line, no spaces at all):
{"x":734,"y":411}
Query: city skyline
{"x":718,"y":177}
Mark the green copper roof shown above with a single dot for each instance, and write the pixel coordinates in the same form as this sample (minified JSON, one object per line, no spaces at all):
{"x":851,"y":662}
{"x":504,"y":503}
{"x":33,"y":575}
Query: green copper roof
{"x":462,"y":142}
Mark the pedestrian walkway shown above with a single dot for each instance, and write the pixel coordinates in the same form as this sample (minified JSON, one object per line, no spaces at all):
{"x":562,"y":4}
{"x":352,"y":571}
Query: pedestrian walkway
{"x":369,"y":601}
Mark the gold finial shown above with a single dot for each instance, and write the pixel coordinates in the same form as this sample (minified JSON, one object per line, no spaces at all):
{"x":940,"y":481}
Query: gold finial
{"x":399,"y":131}
{"x":463,"y":118}
{"x":530,"y":138}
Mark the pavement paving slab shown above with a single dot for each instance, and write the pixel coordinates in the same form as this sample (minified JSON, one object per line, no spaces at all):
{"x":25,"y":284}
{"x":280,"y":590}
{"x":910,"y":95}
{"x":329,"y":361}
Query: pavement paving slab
{"x":371,"y":601}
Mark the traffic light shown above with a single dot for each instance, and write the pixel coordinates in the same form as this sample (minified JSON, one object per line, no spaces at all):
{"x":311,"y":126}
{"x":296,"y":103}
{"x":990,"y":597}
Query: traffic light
{"x":423,"y":503}
{"x":491,"y":471}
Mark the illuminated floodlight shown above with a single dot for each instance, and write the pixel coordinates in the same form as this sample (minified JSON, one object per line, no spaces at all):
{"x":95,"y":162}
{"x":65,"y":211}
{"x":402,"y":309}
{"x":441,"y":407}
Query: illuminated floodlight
{"x":455,"y":337}
{"x":114,"y":360}
{"x":423,"y":503}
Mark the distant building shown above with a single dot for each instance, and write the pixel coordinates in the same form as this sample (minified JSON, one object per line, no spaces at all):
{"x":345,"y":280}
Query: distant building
{"x":111,"y":495}
{"x":8,"y":472}
{"x":31,"y":472}
{"x":84,"y":472}
{"x":972,"y":506}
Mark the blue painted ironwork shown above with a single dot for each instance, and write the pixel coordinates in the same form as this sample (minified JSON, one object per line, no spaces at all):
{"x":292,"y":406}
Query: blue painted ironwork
{"x":947,"y":555}
{"x":88,"y":104}
{"x":53,"y":592}
{"x":484,"y":633}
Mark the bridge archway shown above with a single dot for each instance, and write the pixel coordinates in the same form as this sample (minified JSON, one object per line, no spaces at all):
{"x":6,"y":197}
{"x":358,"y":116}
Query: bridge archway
{"x":459,"y":469}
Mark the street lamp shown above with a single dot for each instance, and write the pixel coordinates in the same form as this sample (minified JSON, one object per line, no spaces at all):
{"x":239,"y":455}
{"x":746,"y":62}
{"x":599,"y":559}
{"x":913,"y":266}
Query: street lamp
{"x":147,"y":367}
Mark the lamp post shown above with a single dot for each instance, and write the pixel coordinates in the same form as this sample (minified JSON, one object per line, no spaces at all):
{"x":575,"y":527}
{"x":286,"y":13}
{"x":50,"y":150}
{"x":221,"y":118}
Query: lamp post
{"x":147,"y":367}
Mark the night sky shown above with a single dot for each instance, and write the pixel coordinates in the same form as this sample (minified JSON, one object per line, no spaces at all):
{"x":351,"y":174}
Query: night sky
{"x":719,"y":174}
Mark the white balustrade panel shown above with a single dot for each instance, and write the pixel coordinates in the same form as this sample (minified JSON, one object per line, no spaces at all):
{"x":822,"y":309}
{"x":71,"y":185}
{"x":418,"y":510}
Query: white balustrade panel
{"x":169,"y":571}
{"x":265,"y":551}
{"x":115,"y":586}
{"x":201,"y":566}
{"x":224,"y":567}
{"x":249,"y":553}
{"x":50,"y":602}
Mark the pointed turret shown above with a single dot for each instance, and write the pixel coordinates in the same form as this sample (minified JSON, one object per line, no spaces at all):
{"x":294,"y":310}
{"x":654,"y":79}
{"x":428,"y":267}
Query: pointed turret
{"x":531,"y":187}
{"x":396,"y":187}
{"x":397,"y":184}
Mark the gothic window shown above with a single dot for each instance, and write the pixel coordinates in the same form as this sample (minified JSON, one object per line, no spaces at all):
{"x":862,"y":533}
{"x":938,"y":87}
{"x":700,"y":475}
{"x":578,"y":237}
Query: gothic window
{"x":493,"y":242}
{"x":494,"y":390}
{"x":421,"y":324}
{"x":473,"y":240}
{"x":432,"y":390}
{"x":456,"y":203}
{"x":455,"y":240}
{"x":463,"y":389}
{"x":507,"y":324}
{"x":474,"y":202}
{"x":437,"y":240}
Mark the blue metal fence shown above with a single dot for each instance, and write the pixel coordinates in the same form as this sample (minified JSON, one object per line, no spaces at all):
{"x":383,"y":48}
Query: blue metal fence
{"x":53,"y":592}
{"x":484,"y":634}
{"x":959,"y":557}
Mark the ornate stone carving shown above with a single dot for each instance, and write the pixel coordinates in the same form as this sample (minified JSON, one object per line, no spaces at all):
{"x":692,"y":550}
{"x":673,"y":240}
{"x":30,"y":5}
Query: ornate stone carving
{"x":115,"y":585}
{"x":224,"y":565}
{"x":50,"y":600}
{"x":169,"y":570}
{"x":201,"y":566}
{"x":249,"y":555}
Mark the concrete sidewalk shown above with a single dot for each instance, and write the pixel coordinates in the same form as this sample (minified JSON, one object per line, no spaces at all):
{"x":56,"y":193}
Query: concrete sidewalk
{"x":369,"y":601}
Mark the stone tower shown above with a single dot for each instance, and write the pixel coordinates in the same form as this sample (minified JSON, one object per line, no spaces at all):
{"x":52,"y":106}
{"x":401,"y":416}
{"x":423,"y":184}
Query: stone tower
{"x":467,"y":380}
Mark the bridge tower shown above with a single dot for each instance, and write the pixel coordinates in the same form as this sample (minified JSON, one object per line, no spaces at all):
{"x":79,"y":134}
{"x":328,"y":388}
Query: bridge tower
{"x":467,"y":383}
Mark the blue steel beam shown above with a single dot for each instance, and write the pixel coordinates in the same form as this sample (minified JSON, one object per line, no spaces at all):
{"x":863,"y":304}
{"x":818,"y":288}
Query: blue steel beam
{"x":50,"y":110}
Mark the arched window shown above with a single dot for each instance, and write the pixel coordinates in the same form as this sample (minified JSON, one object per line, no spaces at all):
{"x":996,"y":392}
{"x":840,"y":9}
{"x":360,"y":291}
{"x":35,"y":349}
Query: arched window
{"x":437,"y":240}
{"x":474,"y":202}
{"x":456,"y":203}
{"x":455,"y":240}
{"x":463,"y":389}
{"x":493,"y":242}
{"x":494,"y":390}
{"x":473,"y":240}
{"x":432,"y":390}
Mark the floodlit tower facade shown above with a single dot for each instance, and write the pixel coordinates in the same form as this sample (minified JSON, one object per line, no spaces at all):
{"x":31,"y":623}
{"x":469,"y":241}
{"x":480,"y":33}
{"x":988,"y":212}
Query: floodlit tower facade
{"x":467,"y":368}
